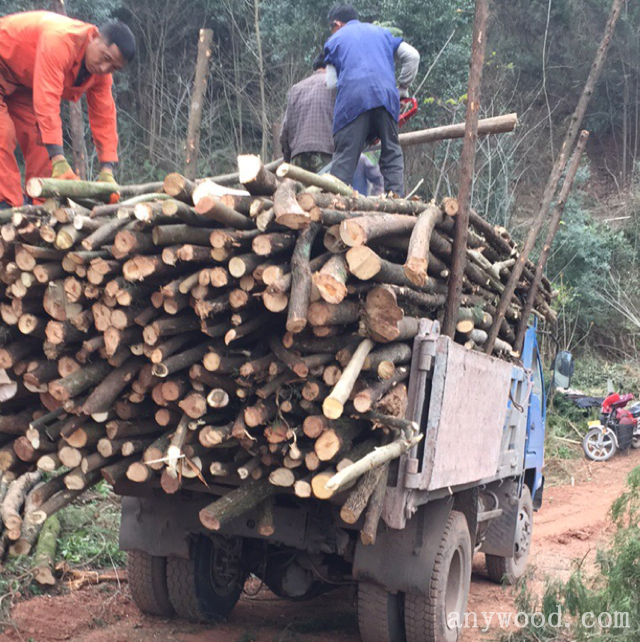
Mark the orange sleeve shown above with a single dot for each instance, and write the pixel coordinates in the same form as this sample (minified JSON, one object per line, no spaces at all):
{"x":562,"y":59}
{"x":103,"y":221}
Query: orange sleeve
{"x":53,"y":55}
{"x":102,"y":118}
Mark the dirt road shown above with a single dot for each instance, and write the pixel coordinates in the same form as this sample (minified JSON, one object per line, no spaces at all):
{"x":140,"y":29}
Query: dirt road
{"x":571,"y":525}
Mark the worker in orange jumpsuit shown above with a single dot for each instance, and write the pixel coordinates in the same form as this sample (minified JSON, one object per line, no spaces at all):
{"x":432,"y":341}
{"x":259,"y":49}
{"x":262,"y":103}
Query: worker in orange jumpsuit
{"x":45,"y":58}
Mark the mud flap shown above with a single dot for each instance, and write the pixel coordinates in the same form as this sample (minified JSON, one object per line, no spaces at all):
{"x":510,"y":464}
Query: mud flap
{"x":402,"y":560}
{"x":500,"y":536}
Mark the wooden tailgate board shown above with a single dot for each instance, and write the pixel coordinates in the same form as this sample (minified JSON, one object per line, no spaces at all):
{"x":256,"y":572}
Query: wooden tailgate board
{"x":467,"y":414}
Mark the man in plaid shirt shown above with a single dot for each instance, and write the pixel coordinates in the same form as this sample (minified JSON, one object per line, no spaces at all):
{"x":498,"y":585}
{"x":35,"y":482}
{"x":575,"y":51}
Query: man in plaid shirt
{"x":307,"y":134}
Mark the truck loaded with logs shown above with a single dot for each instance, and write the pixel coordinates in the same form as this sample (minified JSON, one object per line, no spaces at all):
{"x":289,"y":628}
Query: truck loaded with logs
{"x":260,"y":372}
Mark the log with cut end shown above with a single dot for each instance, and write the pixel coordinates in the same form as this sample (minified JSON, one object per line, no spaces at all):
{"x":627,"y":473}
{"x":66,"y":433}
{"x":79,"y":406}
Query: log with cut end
{"x":282,"y":477}
{"x":265,"y":525}
{"x":417,"y":262}
{"x":361,"y":230}
{"x":267,"y":244}
{"x":333,"y":405}
{"x":255,"y":177}
{"x":336,"y":438}
{"x":331,"y":279}
{"x":287,"y":210}
{"x":236,"y":503}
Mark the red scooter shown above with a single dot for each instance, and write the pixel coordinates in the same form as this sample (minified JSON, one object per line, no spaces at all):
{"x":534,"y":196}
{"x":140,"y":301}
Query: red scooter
{"x":617,"y":428}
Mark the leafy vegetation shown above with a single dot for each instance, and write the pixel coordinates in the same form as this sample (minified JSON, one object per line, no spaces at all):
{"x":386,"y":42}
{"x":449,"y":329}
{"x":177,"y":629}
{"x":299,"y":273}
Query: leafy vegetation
{"x":583,"y":598}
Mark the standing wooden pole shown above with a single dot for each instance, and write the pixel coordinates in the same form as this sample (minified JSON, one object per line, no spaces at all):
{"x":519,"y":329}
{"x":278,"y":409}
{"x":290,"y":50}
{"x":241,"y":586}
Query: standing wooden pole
{"x":467,"y":164}
{"x":554,"y":224}
{"x":78,"y":143}
{"x":195,"y":114}
{"x":556,"y":174}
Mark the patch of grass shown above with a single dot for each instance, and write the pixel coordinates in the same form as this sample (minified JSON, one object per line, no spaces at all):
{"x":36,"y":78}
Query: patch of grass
{"x":89,"y":535}
{"x":592,"y":373}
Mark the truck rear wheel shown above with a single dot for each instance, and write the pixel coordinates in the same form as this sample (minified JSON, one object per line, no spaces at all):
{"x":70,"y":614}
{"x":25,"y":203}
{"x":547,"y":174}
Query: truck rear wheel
{"x":510,"y":569}
{"x":438,"y":616}
{"x":206,"y":587}
{"x":379,"y":614}
{"x":148,"y":583}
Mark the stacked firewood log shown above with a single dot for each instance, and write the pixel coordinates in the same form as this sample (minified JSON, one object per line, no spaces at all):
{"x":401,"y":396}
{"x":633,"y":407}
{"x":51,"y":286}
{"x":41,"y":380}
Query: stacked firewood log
{"x":200,"y":336}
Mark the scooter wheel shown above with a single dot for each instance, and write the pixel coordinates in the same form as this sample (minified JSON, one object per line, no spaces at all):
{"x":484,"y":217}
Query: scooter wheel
{"x":599,"y":446}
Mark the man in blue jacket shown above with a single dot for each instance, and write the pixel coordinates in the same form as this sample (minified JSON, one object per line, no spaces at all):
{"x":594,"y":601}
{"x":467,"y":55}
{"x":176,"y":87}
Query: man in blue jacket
{"x":361,"y":63}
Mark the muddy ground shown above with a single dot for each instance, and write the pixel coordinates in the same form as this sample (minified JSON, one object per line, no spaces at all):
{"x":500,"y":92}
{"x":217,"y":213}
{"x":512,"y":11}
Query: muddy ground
{"x":569,"y":528}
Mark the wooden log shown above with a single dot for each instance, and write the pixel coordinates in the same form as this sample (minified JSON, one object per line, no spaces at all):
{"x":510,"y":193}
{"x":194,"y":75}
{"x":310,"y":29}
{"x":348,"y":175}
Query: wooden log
{"x":55,"y":188}
{"x":213,"y":209}
{"x":362,"y":230}
{"x":178,"y":439}
{"x":495,"y":125}
{"x":331,"y":279}
{"x":236,"y":503}
{"x":105,"y":393}
{"x":323,"y":314}
{"x":374,"y":510}
{"x":13,"y":501}
{"x":359,"y":496}
{"x":336,"y":438}
{"x":255,"y":177}
{"x":378,"y":457}
{"x":45,"y":555}
{"x":287,"y":210}
{"x":265,"y":524}
{"x":417,"y":262}
{"x":79,"y":381}
{"x":268,"y":244}
{"x":326,"y":182}
{"x":282,"y":477}
{"x":333,"y":405}
{"x":180,"y":361}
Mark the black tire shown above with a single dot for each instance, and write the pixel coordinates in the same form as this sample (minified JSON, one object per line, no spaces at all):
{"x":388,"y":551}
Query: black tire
{"x":427,"y":617}
{"x":379,"y":614}
{"x":208,"y":586}
{"x":148,"y":583}
{"x":509,"y":570}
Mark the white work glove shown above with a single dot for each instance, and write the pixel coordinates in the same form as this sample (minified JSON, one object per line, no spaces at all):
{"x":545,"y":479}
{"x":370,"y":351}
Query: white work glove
{"x":404,"y":92}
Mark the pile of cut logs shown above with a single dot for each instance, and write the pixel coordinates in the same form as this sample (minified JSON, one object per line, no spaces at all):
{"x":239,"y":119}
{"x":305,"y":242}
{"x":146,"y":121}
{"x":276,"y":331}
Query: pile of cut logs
{"x":195,"y":335}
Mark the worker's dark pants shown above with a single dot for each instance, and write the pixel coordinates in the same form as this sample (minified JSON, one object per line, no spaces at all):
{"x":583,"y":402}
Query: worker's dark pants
{"x":350,"y":141}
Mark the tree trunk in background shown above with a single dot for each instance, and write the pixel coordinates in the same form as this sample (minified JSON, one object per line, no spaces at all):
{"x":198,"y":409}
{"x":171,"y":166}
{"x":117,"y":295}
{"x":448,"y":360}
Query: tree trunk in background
{"x":556,"y":172}
{"x":467,"y":165}
{"x":195,"y":114}
{"x":76,"y":117}
{"x":263,"y":101}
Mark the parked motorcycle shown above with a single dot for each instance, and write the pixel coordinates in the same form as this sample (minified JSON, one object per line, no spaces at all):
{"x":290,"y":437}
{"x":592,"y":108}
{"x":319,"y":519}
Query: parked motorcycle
{"x":617,"y":428}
